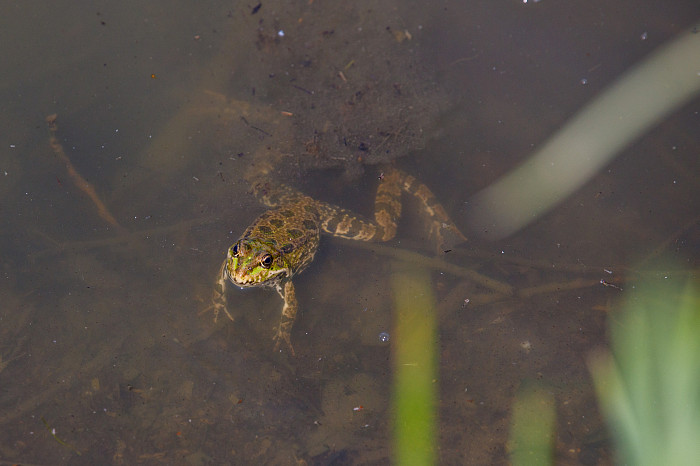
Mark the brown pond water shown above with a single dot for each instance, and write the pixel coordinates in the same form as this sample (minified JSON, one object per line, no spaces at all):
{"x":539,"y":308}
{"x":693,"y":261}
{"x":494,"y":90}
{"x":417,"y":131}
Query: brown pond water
{"x":106,"y":355}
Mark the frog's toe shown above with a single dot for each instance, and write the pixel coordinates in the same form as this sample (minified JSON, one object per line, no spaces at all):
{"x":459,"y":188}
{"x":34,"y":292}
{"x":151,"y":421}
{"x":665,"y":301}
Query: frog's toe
{"x":216,"y":308}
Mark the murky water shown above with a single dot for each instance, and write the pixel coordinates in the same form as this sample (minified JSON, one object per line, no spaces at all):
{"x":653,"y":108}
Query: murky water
{"x":107,"y":357}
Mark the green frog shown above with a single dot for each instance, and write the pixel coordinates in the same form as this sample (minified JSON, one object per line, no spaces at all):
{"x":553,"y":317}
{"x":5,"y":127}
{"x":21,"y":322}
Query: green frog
{"x":283,"y":241}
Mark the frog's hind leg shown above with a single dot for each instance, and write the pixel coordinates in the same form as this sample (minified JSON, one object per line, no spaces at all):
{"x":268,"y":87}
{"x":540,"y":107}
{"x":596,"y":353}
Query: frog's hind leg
{"x":441,"y":227}
{"x":289,"y":314}
{"x":387,"y":211}
{"x":347,"y":224}
{"x":387,"y":204}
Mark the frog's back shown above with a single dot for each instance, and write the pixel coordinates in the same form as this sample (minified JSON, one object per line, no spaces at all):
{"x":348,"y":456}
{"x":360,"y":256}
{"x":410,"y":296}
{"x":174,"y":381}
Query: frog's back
{"x":292,"y":228}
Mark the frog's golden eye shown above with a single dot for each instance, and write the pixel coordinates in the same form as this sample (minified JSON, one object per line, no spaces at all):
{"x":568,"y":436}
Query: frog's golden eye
{"x":266,"y":261}
{"x":234,"y":250}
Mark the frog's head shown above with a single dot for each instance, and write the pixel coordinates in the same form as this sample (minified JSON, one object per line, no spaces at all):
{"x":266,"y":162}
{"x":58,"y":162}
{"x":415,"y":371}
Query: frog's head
{"x":255,"y":262}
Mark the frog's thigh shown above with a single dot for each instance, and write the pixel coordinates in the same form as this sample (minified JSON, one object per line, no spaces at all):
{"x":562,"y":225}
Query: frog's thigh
{"x":289,"y":310}
{"x":387,"y":204}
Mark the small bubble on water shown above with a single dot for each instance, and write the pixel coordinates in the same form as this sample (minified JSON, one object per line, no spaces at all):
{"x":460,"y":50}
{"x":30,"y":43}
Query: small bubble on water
{"x":384,"y":337}
{"x":584,"y":81}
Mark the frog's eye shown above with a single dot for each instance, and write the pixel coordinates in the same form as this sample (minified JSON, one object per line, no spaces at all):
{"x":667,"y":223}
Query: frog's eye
{"x":266,"y":261}
{"x":234,"y":250}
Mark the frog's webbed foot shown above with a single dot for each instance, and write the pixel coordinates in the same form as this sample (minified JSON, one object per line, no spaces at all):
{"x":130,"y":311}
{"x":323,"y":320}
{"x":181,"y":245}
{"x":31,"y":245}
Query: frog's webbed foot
{"x":445,"y":235}
{"x":283,"y":336}
{"x":219,"y":304}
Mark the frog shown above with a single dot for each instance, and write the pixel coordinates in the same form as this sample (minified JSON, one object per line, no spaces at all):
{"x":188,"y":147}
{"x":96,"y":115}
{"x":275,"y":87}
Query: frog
{"x":282,"y":242}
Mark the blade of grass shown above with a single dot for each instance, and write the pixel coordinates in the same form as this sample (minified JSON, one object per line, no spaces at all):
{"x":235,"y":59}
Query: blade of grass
{"x":532,"y":427}
{"x":649,"y":384}
{"x":415,"y":373}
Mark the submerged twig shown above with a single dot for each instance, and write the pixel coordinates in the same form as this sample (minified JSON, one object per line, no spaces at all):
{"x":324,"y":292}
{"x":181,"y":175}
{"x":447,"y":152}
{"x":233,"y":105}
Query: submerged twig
{"x":58,"y":247}
{"x":52,"y":431}
{"x":663,"y":247}
{"x":48,"y":392}
{"x":5,"y":363}
{"x":543,"y":264}
{"x":574,"y":284}
{"x":80,"y":182}
{"x":433,"y":263}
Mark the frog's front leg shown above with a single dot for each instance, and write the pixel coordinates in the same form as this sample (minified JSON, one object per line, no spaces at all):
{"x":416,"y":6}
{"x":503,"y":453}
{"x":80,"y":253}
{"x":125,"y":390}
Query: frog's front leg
{"x":219,"y":294}
{"x":289,"y":313}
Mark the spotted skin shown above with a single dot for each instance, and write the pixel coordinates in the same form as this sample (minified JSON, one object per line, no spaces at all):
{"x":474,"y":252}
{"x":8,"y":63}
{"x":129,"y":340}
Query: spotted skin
{"x":283,"y":241}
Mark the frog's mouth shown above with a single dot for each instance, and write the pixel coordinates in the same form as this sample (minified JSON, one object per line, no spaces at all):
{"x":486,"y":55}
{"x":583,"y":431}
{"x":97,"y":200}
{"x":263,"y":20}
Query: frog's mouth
{"x":243,"y":283}
{"x":248,"y":278}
